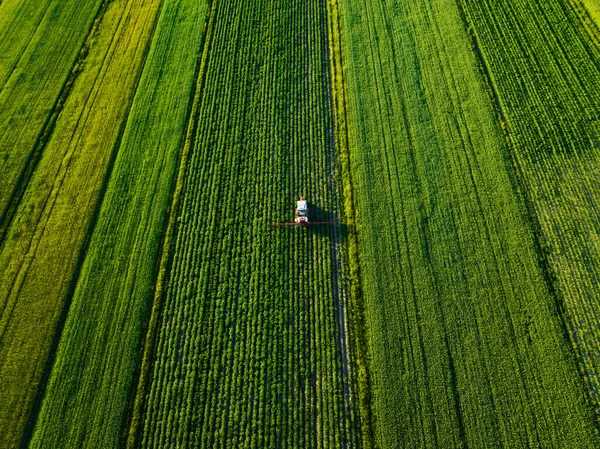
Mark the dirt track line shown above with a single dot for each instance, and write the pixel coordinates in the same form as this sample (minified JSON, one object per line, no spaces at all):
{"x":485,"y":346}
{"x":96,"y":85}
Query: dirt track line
{"x":339,"y":290}
{"x":351,"y":319}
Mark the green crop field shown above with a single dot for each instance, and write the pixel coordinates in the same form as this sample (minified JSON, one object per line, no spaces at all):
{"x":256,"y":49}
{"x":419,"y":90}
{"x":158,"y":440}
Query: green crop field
{"x":553,"y":122}
{"x":465,"y":338}
{"x":452,"y":300}
{"x":249,"y":321}
{"x":44,"y":235}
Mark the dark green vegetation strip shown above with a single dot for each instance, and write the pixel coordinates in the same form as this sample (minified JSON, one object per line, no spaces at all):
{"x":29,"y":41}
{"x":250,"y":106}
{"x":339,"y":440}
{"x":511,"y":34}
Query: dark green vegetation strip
{"x":466,"y":344}
{"x":39,"y":55}
{"x":41,"y":251}
{"x":545,"y":70}
{"x":251,"y":348}
{"x":98,"y":355}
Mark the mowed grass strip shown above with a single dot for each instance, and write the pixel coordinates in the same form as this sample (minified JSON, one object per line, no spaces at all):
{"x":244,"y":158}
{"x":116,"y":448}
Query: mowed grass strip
{"x":248,"y":350}
{"x":40,"y":43}
{"x":99,"y":352}
{"x":544,"y":68}
{"x":466,"y":343}
{"x":43,"y":244}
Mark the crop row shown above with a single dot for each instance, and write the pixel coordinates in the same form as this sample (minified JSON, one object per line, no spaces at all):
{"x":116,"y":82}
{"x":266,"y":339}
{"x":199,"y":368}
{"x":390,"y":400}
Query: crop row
{"x":54,"y":212}
{"x":248,"y":350}
{"x":544,"y":69}
{"x":466,"y":345}
{"x":99,"y":351}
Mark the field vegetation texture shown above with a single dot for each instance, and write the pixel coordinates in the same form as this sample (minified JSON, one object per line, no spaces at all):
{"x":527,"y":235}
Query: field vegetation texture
{"x":545,"y":71}
{"x":145,"y":145}
{"x":98,"y":355}
{"x":251,"y":348}
{"x":61,"y":177}
{"x":466,"y":342}
{"x":38,"y":53}
{"x":589,"y":14}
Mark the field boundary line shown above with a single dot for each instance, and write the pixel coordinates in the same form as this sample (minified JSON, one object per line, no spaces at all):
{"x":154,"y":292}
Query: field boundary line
{"x":35,"y":154}
{"x":132,"y":430}
{"x":29,"y":429}
{"x":588,"y":22}
{"x":357,"y":326}
{"x":517,"y":178}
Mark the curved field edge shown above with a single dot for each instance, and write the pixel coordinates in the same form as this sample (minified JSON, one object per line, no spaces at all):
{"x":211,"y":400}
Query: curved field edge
{"x":467,"y":345}
{"x":93,"y":377}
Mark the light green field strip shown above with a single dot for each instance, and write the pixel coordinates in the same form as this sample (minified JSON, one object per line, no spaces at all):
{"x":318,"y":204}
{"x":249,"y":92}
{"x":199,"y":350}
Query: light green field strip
{"x":98,"y":355}
{"x":546,"y":71}
{"x":32,"y":78}
{"x":466,"y":345}
{"x":356,"y":328}
{"x":43,"y":244}
{"x":593,"y":8}
{"x":251,"y":349}
{"x":589,"y":14}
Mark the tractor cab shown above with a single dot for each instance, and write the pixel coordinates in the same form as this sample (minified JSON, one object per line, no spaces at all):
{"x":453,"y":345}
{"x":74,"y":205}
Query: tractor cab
{"x":301,"y":216}
{"x":302,"y":211}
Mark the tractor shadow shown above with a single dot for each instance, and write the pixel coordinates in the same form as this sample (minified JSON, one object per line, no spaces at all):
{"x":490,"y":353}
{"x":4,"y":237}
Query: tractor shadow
{"x":339,"y":230}
{"x":317,"y":213}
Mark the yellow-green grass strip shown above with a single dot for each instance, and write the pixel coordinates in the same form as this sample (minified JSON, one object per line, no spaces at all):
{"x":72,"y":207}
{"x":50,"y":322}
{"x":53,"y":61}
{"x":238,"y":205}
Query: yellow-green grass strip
{"x":593,"y":8}
{"x":42,"y":45}
{"x":588,"y":12}
{"x":356,"y":325}
{"x":99,"y":353}
{"x":42,"y":249}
